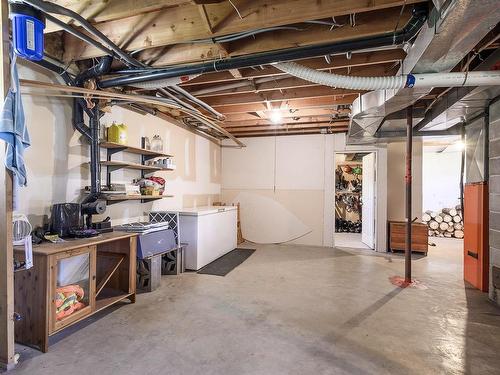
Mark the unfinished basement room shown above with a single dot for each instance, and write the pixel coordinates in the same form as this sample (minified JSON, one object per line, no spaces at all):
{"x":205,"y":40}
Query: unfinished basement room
{"x":250,"y":187}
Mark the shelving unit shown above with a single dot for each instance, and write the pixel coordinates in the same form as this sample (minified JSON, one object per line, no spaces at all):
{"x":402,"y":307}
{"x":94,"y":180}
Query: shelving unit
{"x":113,"y":165}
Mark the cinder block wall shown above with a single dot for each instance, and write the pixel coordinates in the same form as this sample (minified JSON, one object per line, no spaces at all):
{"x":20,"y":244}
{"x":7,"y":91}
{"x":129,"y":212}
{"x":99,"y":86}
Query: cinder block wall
{"x":494,"y":188}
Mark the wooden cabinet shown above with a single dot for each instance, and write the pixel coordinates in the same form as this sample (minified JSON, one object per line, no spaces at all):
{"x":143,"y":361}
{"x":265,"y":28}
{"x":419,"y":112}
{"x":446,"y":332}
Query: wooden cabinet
{"x":397,"y":236}
{"x":71,"y":281}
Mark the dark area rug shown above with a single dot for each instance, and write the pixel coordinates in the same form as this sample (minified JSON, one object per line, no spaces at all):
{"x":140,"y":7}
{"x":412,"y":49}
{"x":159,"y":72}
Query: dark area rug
{"x":226,"y":263}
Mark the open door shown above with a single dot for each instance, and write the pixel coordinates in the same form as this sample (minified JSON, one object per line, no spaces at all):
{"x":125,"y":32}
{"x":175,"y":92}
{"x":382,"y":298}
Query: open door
{"x":368,"y":208}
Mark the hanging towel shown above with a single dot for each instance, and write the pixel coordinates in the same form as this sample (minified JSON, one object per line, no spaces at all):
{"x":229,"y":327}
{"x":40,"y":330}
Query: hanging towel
{"x":13,"y":130}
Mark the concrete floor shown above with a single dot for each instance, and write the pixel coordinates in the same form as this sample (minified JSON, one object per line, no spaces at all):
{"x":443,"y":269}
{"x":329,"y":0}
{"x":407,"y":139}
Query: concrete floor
{"x":352,"y":240}
{"x":292,"y":310}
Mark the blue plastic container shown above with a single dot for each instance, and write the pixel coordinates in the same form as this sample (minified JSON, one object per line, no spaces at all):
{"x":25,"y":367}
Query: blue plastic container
{"x":27,"y":31}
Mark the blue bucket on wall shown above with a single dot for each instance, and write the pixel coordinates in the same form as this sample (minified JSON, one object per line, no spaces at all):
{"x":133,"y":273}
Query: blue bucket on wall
{"x":28,"y":24}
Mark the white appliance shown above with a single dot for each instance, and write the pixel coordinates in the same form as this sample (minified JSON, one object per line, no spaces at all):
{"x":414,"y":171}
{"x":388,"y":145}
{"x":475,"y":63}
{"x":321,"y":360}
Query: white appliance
{"x":210,"y":232}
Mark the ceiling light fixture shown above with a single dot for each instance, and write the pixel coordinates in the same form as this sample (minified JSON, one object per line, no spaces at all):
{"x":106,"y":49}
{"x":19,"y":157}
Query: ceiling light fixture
{"x":275,"y":117}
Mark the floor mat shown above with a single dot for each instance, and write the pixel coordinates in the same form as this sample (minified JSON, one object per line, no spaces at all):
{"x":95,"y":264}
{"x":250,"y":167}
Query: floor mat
{"x":227,"y":263}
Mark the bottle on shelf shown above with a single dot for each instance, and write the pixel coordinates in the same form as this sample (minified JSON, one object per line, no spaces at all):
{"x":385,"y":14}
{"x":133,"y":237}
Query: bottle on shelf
{"x":157,"y":143}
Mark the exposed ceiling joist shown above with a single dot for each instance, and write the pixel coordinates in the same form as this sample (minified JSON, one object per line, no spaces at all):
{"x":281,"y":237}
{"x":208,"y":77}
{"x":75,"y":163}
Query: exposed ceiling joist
{"x":228,"y":125}
{"x":325,"y":102}
{"x":286,"y":113}
{"x":337,"y":62}
{"x":285,"y":82}
{"x":267,"y":133}
{"x":184,"y":23}
{"x":108,"y":10}
{"x":278,"y":96}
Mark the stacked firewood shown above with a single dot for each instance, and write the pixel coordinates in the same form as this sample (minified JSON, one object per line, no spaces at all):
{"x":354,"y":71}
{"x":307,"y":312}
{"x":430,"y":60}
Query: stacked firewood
{"x":448,"y":222}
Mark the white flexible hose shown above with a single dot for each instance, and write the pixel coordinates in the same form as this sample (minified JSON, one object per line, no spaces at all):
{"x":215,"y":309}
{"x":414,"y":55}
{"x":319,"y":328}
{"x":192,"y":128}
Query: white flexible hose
{"x":453,"y":79}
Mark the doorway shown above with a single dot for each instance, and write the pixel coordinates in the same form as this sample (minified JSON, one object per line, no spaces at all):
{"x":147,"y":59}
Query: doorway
{"x":355,"y":200}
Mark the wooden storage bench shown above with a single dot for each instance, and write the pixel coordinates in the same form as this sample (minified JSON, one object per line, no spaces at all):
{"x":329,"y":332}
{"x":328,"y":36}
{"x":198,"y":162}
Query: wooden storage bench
{"x":71,"y":281}
{"x":397,"y":237}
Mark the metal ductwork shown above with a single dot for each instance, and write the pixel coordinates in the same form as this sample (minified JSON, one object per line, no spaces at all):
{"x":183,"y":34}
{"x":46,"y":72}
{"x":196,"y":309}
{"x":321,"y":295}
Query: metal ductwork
{"x":440,"y":46}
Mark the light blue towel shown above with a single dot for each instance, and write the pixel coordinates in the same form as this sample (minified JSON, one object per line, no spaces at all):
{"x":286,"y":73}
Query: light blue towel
{"x":13,"y":128}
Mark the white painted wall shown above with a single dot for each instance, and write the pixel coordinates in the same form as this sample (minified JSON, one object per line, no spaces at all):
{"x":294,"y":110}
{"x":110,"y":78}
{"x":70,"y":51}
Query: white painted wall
{"x":441,"y":180}
{"x":279,"y":183}
{"x":285,"y":186}
{"x":57,"y":159}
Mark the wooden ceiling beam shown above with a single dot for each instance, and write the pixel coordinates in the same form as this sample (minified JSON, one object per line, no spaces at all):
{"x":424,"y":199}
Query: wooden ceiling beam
{"x":337,"y":62}
{"x":185,"y":23}
{"x":96,"y":11}
{"x":268,"y":133}
{"x":343,"y":124}
{"x":325,"y":102}
{"x":278,"y":96}
{"x":228,"y":125}
{"x":284,"y":83}
{"x":287,"y":113}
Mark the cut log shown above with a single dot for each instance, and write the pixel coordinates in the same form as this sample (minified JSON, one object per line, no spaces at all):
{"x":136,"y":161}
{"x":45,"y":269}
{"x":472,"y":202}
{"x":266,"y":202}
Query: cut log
{"x":431,"y":213}
{"x":448,"y":234}
{"x":439,"y":218}
{"x":433,"y":224}
{"x":450,"y":211}
{"x":443,"y":226}
{"x":446,"y":218}
{"x":426,"y":217}
{"x":457,"y":219}
{"x":430,"y":232}
{"x":450,"y":228}
{"x":458,"y":226}
{"x":459,"y":234}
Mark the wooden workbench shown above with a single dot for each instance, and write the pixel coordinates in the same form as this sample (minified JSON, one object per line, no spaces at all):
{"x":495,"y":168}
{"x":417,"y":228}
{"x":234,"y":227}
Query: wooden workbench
{"x":102,"y":271}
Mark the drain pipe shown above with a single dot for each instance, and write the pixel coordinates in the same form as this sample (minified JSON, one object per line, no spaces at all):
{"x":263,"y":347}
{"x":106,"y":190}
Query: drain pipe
{"x":79,"y":105}
{"x":383,"y":40}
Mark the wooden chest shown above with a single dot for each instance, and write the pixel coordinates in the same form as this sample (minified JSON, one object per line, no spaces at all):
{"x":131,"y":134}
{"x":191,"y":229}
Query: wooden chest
{"x":397,"y":236}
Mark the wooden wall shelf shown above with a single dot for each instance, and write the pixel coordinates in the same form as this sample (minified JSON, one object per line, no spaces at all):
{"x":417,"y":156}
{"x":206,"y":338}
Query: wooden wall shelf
{"x":117,"y":147}
{"x":115,"y":165}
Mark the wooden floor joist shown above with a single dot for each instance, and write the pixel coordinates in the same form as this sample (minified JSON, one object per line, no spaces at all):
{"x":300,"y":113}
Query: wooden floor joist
{"x":184,"y":23}
{"x":319,"y":63}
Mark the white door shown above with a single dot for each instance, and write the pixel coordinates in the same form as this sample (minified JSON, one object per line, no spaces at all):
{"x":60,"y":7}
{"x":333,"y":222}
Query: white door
{"x":368,"y":196}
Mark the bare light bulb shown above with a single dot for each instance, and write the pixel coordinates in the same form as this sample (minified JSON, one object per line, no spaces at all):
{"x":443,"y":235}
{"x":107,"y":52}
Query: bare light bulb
{"x":275,"y":117}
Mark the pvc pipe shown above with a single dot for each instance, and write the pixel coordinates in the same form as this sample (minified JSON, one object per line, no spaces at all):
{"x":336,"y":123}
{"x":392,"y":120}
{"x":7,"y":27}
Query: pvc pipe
{"x":195,"y":100}
{"x":454,"y":79}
